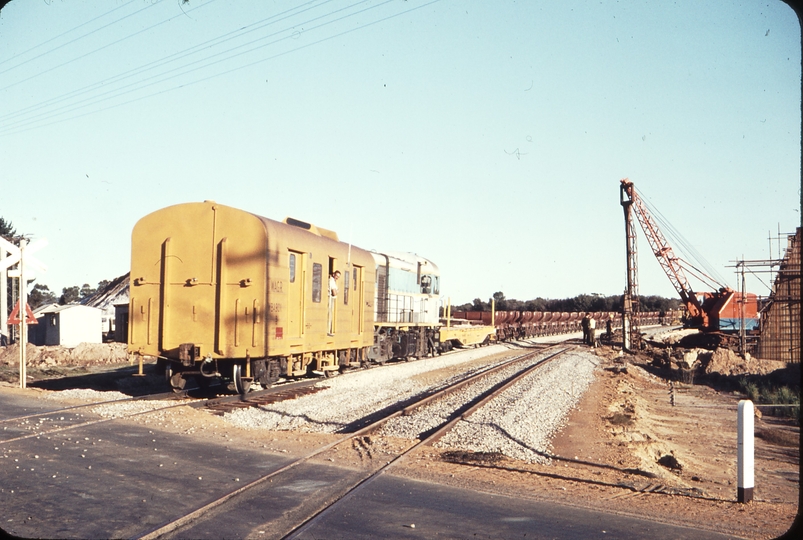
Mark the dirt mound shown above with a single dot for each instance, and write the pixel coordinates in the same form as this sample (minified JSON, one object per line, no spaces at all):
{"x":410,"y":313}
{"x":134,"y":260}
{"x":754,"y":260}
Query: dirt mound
{"x":85,"y":354}
{"x":720,"y":361}
{"x":727,"y":362}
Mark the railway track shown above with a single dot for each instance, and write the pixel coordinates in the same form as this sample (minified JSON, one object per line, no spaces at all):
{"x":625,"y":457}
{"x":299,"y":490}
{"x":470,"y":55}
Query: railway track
{"x":68,"y":418}
{"x":218,"y":405}
{"x":219,"y":505}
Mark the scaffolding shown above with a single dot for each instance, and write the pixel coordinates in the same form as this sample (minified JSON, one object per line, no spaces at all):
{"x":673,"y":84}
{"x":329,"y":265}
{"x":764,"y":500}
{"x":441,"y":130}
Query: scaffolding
{"x":779,"y":317}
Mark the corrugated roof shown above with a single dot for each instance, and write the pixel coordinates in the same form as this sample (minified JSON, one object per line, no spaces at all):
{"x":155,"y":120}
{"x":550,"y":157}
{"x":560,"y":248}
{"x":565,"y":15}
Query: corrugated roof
{"x":115,"y":292}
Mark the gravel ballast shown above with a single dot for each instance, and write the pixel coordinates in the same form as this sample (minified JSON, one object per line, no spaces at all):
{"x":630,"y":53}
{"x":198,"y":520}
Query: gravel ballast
{"x":352,"y":397}
{"x":519,"y":423}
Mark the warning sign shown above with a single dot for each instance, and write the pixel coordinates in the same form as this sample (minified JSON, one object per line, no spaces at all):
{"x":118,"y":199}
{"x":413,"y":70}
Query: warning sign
{"x":14,"y":318}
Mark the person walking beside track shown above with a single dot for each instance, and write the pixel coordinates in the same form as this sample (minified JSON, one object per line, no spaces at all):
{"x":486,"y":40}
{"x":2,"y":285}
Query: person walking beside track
{"x":592,"y":326}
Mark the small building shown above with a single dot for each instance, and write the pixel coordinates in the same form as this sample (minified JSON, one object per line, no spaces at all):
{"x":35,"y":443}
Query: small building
{"x":121,"y":323}
{"x":66,"y":325}
{"x":106,"y":299}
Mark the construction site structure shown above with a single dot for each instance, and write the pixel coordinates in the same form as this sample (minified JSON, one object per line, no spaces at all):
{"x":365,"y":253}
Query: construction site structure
{"x":631,"y":335}
{"x":779,"y":330}
{"x":722,"y":310}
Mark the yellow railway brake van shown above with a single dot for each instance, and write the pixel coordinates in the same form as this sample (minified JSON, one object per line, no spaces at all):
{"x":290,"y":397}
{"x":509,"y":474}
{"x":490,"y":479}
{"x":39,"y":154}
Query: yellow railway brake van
{"x":220,"y":292}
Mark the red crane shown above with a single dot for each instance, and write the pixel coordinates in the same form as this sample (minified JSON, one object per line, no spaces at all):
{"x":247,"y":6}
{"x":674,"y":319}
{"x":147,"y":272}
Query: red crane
{"x":705,"y":309}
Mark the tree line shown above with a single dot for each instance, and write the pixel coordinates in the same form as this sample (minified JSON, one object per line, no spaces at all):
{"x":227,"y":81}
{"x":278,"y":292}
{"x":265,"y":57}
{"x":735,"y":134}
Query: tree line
{"x":581,"y":302}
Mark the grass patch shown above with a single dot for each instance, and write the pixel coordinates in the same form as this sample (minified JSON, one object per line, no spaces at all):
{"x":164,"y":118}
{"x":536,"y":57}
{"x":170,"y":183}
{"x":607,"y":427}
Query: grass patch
{"x":773,"y":395}
{"x":460,"y":456}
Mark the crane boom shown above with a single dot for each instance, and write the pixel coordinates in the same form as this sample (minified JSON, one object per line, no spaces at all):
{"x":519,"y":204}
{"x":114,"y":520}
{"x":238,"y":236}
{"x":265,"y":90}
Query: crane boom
{"x":663,"y":252}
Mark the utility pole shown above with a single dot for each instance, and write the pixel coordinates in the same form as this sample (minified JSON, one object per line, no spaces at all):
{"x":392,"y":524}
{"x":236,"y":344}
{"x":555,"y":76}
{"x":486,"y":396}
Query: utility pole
{"x":631,"y":336}
{"x":22,"y":256}
{"x":3,"y":297}
{"x":23,"y":315}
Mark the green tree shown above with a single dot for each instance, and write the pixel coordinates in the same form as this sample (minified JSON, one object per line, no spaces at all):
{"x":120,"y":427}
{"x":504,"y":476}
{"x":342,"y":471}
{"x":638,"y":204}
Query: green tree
{"x":86,"y":290}
{"x":499,"y":301}
{"x":7,"y":230}
{"x":41,"y":295}
{"x":70,"y":295}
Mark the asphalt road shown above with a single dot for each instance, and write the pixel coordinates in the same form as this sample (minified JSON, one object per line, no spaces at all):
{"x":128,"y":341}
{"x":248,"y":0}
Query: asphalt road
{"x":120,"y":480}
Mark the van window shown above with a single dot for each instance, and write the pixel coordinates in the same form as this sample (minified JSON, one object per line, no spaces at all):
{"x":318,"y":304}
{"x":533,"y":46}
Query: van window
{"x":317,"y":275}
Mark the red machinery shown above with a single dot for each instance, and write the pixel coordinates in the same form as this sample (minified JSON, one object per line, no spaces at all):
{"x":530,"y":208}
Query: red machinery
{"x":724,"y":309}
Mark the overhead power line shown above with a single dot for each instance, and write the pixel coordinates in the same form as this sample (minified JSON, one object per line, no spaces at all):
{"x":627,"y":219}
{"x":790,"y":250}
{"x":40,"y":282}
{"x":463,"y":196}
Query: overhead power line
{"x":90,"y":53}
{"x":27,"y":124}
{"x":64,"y":34}
{"x":147,"y":67}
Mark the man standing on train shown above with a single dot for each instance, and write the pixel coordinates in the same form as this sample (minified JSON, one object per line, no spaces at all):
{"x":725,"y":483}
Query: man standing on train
{"x":333,"y":277}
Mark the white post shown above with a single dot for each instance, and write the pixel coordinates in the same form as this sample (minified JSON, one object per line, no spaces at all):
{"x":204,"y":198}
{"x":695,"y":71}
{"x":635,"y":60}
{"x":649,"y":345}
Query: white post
{"x":745,"y":450}
{"x":23,"y":314}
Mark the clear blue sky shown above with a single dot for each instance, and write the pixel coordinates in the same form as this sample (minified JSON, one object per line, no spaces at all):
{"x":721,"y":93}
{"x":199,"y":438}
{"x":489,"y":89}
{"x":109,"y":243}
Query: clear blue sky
{"x":487,"y":136}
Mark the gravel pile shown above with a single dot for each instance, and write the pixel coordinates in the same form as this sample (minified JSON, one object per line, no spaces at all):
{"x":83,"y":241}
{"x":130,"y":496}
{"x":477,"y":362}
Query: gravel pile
{"x":521,"y":422}
{"x":351,"y":398}
{"x":126,"y":408}
{"x":85,"y":394}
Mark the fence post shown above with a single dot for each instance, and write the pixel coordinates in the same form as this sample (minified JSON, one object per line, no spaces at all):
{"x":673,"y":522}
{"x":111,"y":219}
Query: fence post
{"x":745,"y":451}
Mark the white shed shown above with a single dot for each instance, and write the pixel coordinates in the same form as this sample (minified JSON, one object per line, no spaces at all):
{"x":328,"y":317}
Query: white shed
{"x":67,"y":325}
{"x":116,"y":292}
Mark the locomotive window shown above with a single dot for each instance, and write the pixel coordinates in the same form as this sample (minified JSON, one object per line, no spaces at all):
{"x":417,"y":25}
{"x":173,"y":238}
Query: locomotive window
{"x":426,"y":284}
{"x":317,"y":274}
{"x":346,"y":288}
{"x":292,"y":268}
{"x":355,"y":280}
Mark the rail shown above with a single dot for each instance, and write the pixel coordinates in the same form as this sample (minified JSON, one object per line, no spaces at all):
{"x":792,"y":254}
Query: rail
{"x":190,"y":518}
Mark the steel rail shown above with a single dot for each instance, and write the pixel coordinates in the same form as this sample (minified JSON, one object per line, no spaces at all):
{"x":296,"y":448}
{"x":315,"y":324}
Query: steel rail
{"x":91,"y":422}
{"x":169,"y":396}
{"x":149,"y":397}
{"x":251,"y":397}
{"x":173,"y":525}
{"x":432,"y":438}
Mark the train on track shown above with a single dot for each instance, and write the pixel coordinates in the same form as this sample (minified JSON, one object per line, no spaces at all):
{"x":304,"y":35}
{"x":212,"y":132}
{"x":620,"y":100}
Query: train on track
{"x":511,"y":325}
{"x":217,"y":292}
{"x":221,"y":292}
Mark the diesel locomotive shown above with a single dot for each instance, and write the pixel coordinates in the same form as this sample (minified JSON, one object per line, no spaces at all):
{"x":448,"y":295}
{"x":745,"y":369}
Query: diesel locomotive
{"x":221,"y":292}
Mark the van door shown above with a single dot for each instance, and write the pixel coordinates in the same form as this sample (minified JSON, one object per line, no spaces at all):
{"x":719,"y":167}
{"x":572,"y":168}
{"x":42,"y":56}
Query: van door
{"x":295,"y":294}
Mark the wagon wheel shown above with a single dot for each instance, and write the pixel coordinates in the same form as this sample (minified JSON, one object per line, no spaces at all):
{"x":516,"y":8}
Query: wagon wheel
{"x":241,"y":384}
{"x":175,"y":380}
